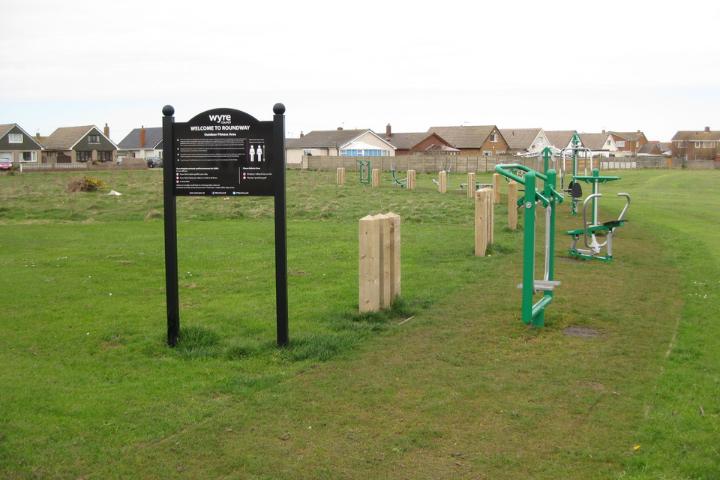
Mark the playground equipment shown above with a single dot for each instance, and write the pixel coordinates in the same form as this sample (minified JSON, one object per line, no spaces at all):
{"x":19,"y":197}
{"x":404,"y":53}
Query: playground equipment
{"x":402,"y":182}
{"x":574,"y":188}
{"x":549,"y":197}
{"x":594,"y":228}
{"x":364,"y":169}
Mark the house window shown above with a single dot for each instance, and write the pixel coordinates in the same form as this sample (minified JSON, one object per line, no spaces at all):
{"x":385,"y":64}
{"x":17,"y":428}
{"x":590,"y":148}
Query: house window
{"x":307,"y":152}
{"x":493,"y":137}
{"x":29,"y":156}
{"x":620,"y":143}
{"x":15,"y":138}
{"x":358,"y":152}
{"x":105,"y":156}
{"x":94,"y":139}
{"x":84,"y":156}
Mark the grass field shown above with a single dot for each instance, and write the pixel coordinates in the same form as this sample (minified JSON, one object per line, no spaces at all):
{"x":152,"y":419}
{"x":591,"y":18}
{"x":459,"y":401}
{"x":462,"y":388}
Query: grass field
{"x":463,"y":390}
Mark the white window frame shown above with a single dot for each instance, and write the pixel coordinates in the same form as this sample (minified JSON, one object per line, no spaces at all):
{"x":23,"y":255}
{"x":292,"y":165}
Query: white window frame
{"x":33,"y":157}
{"x":90,"y":142}
{"x":15,"y":138}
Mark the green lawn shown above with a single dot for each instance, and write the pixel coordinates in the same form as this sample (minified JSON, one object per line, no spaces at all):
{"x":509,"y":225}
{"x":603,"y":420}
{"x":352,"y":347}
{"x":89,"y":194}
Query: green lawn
{"x":463,"y":390}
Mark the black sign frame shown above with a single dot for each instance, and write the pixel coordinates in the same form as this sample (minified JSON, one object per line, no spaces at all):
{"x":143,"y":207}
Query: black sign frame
{"x":205,"y":167}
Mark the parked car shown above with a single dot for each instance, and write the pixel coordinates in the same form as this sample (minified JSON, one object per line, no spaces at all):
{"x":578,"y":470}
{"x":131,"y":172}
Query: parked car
{"x":5,"y":165}
{"x":154,"y":162}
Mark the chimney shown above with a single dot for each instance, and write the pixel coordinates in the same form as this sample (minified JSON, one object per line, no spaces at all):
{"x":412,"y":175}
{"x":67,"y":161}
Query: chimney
{"x":388,"y":131}
{"x":142,"y":136}
{"x":339,"y":128}
{"x":37,"y":135}
{"x":106,"y":130}
{"x":603,"y":131}
{"x":301,"y":134}
{"x":707,"y":129}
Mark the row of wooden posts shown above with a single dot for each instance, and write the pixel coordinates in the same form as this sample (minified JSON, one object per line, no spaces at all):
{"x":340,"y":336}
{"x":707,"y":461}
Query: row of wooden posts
{"x":379,"y":268}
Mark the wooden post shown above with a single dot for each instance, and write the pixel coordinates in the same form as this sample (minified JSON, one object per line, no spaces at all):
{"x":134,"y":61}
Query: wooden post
{"x":442,"y":181}
{"x":471,"y":185}
{"x":375,"y":177}
{"x":341,"y":176}
{"x":512,"y":205}
{"x":411,"y":179}
{"x":483,"y":197}
{"x":490,"y":219}
{"x":496,"y":188}
{"x":379,"y":261}
{"x":369,"y":268}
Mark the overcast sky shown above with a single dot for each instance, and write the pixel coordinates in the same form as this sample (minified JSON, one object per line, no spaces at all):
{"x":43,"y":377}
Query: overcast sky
{"x":585,"y":65}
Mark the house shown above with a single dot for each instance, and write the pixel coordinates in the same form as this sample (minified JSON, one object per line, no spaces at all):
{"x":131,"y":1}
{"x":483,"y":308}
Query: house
{"x":653,"y":147}
{"x":79,"y":144}
{"x":142,"y":143}
{"x":525,"y":140}
{"x":560,"y":139}
{"x":696,"y":144}
{"x":340,"y":142}
{"x":474,"y":139}
{"x":599,"y":144}
{"x":17,"y":146}
{"x":418,"y":142}
{"x":629,"y":143}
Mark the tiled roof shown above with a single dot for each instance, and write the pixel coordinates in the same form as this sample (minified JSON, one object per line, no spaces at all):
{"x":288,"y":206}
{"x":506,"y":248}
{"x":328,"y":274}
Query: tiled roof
{"x":153,"y":136}
{"x":64,"y":138}
{"x":629,"y":136}
{"x":325,"y":138}
{"x":471,"y":136}
{"x":697,"y":135}
{"x":520,"y":138}
{"x":4,"y":129}
{"x":559,"y":138}
{"x":405,"y":141}
{"x":594,"y":141}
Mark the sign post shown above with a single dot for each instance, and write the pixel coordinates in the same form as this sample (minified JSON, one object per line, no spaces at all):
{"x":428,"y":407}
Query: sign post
{"x":224,"y":152}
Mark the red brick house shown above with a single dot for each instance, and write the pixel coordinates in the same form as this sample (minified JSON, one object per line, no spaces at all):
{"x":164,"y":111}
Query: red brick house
{"x":696,"y":144}
{"x":629,"y":143}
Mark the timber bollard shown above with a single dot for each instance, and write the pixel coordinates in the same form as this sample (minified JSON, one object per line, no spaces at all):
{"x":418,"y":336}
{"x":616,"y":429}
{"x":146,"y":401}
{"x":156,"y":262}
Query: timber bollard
{"x":340,"y":176}
{"x":442,"y":181}
{"x":471,"y":185}
{"x":375,"y":177}
{"x":512,"y":207}
{"x":410,"y":180}
{"x":379,"y":261}
{"x":483,"y":221}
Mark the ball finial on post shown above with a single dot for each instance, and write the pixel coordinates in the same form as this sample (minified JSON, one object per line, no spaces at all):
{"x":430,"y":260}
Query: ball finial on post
{"x":168,"y":110}
{"x":278,"y":109}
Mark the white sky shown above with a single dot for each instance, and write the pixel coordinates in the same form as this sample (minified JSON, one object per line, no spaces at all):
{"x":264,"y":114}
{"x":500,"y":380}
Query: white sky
{"x":585,"y":65}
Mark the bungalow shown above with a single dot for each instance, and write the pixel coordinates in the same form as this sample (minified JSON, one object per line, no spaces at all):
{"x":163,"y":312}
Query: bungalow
{"x":418,"y":142}
{"x":599,"y":143}
{"x":142,"y":143}
{"x":16,"y":146}
{"x":525,"y":140}
{"x":474,"y":139}
{"x":560,"y":139}
{"x":79,"y":144}
{"x":340,"y":142}
{"x":629,"y":143}
{"x":696,"y":144}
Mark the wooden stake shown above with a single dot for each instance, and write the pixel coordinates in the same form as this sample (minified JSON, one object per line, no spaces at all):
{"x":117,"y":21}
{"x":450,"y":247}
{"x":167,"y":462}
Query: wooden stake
{"x":411,"y":179}
{"x":482,"y":198}
{"x":442,"y":181}
{"x":340,"y":176}
{"x":394,"y":221}
{"x":471,"y":185}
{"x":512,"y":205}
{"x":375,"y":177}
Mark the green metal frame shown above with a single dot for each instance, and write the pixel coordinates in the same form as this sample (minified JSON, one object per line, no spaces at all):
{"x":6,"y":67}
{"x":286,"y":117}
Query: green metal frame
{"x":365,"y":170}
{"x":398,"y":181}
{"x":549,"y":197}
{"x":575,"y":147}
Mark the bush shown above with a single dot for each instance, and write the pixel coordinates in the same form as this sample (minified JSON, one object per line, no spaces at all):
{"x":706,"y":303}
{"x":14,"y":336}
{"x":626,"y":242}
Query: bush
{"x":85,"y":184}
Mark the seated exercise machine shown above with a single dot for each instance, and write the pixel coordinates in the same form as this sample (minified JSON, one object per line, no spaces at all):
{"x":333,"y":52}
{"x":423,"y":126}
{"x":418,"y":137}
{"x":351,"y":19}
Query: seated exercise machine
{"x":594,"y":228}
{"x":402,"y":182}
{"x":549,"y":198}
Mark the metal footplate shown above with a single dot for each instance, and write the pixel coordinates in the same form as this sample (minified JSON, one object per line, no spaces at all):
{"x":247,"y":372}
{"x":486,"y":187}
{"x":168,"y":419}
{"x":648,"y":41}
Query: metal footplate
{"x":543,"y":285}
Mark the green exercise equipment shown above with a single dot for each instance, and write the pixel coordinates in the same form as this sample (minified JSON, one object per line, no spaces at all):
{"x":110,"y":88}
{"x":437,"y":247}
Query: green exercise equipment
{"x":594,"y":229}
{"x":365,"y":170}
{"x":402,"y":182}
{"x":548,"y":197}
